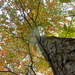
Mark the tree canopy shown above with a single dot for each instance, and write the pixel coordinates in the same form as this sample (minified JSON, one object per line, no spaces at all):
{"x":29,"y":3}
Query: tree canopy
{"x":20,"y":20}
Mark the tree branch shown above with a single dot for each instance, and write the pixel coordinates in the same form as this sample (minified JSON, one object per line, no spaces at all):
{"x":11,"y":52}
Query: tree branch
{"x":37,"y":11}
{"x":28,"y":21}
{"x":31,"y":66}
{"x":10,"y":72}
{"x":25,"y":15}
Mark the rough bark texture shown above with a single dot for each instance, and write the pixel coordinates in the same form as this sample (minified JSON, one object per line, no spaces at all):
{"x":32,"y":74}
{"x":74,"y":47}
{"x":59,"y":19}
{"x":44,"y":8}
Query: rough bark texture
{"x":60,"y":53}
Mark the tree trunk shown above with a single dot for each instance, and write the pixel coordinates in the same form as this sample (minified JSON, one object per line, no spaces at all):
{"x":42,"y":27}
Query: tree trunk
{"x":60,"y":54}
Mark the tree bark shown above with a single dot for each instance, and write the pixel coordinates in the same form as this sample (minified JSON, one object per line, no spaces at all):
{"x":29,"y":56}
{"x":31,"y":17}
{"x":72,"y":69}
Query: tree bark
{"x":60,"y":54}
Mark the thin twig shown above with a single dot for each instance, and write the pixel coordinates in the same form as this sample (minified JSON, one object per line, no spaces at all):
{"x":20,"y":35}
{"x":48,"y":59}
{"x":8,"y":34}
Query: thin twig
{"x":37,"y":11}
{"x":25,"y":15}
{"x":10,"y":72}
{"x":24,"y":40}
{"x":28,"y":21}
{"x":31,"y":60}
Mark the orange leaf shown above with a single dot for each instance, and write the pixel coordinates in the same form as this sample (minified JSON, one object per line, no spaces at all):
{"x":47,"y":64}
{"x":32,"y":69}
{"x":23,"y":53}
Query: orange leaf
{"x":1,"y":42}
{"x":1,"y":68}
{"x":1,"y":63}
{"x":68,"y":21}
{"x":0,"y":50}
{"x":9,"y":38}
{"x":3,"y":53}
{"x":24,"y":27}
{"x":14,"y":60}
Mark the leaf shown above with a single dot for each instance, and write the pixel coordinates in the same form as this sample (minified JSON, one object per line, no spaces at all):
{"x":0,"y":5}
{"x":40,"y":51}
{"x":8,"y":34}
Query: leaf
{"x":13,"y":60}
{"x":65,"y":27}
{"x":12,"y":15}
{"x":64,"y":1}
{"x":9,"y":38}
{"x":1,"y":28}
{"x":1,"y":63}
{"x":72,"y":30}
{"x":11,"y":29}
{"x":1,"y":67}
{"x":18,"y":23}
{"x":3,"y":21}
{"x":3,"y":53}
{"x":1,"y":43}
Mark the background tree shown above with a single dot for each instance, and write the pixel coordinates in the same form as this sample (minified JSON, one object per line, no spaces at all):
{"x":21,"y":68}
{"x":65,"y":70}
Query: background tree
{"x":21,"y":21}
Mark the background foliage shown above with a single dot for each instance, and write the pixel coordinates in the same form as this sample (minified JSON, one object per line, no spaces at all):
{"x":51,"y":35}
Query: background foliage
{"x":19,"y":19}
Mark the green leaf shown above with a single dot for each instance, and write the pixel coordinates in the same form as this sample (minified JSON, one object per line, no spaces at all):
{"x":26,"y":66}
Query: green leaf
{"x":3,"y":21}
{"x":11,"y":29}
{"x":65,"y":27}
{"x":72,"y":30}
{"x":64,"y":1}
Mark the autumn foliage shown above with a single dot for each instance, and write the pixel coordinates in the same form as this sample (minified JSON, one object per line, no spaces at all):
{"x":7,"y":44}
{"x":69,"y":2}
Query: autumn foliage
{"x":20,"y":20}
